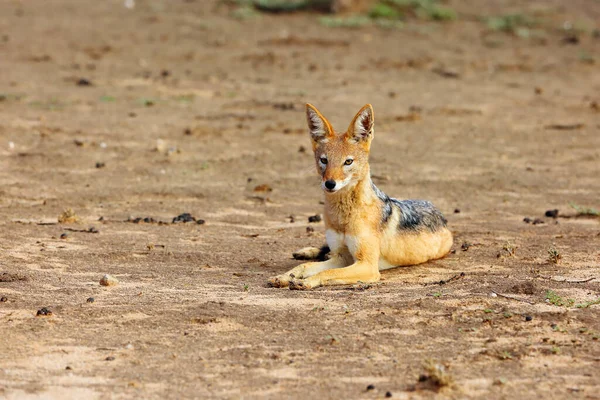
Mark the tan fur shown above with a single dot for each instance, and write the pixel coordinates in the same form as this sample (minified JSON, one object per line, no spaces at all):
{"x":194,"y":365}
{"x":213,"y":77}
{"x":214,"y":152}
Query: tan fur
{"x":361,"y":244}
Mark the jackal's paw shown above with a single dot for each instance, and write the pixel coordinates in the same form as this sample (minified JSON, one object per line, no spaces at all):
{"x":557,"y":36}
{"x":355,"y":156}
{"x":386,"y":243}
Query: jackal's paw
{"x":279,"y":281}
{"x":297,"y":284}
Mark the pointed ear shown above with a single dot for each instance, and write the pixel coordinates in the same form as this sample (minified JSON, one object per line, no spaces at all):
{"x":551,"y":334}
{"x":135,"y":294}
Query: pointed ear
{"x":361,"y":127}
{"x":320,"y":129}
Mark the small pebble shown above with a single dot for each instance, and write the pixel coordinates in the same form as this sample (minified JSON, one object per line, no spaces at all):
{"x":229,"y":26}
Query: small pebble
{"x":552,"y":213}
{"x":388,"y":394}
{"x":3,"y":299}
{"x":371,"y":387}
{"x":90,"y":300}
{"x":527,"y":220}
{"x":314,"y":218}
{"x":538,"y":221}
{"x":456,"y":211}
{"x":108,"y":280}
{"x":68,"y":368}
{"x":84,"y":82}
{"x":110,"y":358}
{"x":493,"y":294}
{"x":100,"y":165}
{"x":528,"y":318}
{"x":64,"y":235}
{"x":44,"y":312}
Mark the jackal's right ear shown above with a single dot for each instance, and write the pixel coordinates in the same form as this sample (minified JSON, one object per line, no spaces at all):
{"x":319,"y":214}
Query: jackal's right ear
{"x":320,"y":129}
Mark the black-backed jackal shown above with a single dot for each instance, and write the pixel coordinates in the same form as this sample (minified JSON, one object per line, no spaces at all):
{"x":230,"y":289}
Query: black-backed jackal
{"x":366,"y":230}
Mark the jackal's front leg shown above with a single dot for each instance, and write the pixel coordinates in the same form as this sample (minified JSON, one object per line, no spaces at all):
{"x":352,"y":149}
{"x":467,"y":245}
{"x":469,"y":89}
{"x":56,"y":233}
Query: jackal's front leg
{"x":365,"y":268}
{"x":307,"y":270}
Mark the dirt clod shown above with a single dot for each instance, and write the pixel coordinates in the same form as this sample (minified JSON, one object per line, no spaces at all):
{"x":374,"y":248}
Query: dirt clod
{"x":12,"y":277}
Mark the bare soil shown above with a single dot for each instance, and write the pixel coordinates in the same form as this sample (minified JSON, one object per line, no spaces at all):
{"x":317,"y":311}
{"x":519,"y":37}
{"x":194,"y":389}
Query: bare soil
{"x":176,"y":107}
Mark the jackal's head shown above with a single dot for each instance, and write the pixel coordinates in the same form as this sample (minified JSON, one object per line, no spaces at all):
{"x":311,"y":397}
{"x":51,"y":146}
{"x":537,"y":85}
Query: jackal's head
{"x":342,"y":159}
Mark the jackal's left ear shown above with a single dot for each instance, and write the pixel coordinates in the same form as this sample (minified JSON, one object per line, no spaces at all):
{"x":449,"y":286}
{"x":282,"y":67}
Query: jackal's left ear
{"x":361,"y":127}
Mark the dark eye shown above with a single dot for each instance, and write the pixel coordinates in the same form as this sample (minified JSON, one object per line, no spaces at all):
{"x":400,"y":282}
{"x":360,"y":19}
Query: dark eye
{"x":323,"y":160}
{"x":348,"y":161}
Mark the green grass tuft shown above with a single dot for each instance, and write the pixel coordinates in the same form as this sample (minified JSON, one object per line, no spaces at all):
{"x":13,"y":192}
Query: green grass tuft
{"x":556,"y":300}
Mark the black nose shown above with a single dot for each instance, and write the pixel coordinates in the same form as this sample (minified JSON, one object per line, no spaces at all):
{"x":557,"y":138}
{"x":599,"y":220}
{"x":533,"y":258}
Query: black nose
{"x":330,"y":184}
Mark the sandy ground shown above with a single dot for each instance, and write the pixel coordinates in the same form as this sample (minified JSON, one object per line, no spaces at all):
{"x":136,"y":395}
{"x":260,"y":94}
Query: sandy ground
{"x":496,"y":126}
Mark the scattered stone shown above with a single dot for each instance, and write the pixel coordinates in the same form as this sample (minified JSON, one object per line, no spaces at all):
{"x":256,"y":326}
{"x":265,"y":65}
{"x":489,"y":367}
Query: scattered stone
{"x":84,"y":82}
{"x":100,"y":165}
{"x":68,"y":368}
{"x":527,"y":220}
{"x":3,"y":299}
{"x":538,"y":221}
{"x":388,"y":394}
{"x":310,"y":229}
{"x":108,"y":280}
{"x":465,"y":246}
{"x":301,"y":149}
{"x":185,"y":217}
{"x":161,"y":146}
{"x":371,"y":387}
{"x":90,"y":300}
{"x":552,"y":213}
{"x":64,"y":236}
{"x":456,"y":211}
{"x":110,"y":358}
{"x":528,"y":318}
{"x":93,"y":229}
{"x":44,"y":312}
{"x":165,"y":73}
{"x":314,"y":218}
